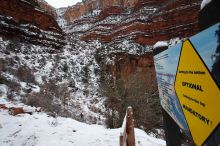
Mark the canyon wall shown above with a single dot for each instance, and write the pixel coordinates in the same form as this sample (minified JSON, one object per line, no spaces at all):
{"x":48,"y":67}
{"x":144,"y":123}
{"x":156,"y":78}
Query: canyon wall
{"x":88,"y":6}
{"x":28,"y":22}
{"x":133,"y":68}
{"x":45,"y":6}
{"x":176,"y":19}
{"x":141,"y":22}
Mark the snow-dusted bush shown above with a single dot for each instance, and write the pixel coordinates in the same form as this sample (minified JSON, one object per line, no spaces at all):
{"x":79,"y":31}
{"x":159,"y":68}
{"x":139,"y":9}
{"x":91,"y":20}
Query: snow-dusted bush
{"x":25,"y":74}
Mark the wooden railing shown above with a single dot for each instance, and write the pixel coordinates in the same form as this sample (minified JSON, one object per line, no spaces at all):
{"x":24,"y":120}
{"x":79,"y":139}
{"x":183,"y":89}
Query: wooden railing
{"x":127,"y":137}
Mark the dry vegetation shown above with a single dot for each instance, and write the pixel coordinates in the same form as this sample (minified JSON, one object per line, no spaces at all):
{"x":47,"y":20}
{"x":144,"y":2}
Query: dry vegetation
{"x":133,"y":92}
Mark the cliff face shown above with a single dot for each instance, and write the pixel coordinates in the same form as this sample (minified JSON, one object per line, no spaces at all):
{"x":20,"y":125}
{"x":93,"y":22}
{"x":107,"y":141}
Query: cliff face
{"x":133,"y":68}
{"x":175,"y":19}
{"x":127,"y":24}
{"x":45,"y":6}
{"x":88,"y":6}
{"x":28,"y":22}
{"x":131,"y":81}
{"x":141,"y":22}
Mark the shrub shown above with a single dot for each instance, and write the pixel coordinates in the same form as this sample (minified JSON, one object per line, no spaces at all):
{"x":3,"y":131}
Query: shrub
{"x":2,"y":65}
{"x":85,"y":74}
{"x":65,"y":68}
{"x":25,"y":74}
{"x":52,"y":98}
{"x":137,"y":90}
{"x":14,"y":86}
{"x":14,"y":46}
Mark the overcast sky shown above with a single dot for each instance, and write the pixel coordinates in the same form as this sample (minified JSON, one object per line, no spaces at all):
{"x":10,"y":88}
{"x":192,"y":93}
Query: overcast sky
{"x":62,"y":3}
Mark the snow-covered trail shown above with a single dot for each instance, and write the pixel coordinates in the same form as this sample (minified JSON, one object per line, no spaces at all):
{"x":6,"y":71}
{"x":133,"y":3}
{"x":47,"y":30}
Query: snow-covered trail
{"x":40,"y":129}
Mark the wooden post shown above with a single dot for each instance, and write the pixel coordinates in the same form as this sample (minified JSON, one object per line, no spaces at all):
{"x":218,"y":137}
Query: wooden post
{"x":127,"y":136}
{"x":130,"y":127}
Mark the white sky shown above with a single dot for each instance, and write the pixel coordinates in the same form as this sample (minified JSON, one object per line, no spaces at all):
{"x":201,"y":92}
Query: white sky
{"x":62,"y":3}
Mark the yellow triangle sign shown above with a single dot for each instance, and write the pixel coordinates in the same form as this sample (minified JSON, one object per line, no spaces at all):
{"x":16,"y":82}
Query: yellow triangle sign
{"x":198,"y":94}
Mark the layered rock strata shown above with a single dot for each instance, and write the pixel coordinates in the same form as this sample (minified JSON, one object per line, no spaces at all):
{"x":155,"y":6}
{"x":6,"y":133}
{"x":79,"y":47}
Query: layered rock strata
{"x":28,"y":22}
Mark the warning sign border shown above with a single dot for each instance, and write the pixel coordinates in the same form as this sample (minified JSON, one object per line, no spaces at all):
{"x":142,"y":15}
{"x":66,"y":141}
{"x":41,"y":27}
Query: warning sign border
{"x":176,"y":92}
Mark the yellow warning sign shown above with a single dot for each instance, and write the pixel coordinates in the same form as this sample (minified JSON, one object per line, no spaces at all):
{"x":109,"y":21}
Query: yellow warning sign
{"x":198,"y":94}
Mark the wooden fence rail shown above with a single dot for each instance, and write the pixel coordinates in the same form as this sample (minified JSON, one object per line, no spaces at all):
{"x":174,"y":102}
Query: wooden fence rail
{"x":127,"y":137}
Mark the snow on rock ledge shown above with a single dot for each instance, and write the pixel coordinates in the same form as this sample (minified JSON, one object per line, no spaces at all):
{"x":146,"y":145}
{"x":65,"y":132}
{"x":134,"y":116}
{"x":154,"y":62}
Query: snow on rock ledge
{"x":160,"y":44}
{"x":204,"y":3}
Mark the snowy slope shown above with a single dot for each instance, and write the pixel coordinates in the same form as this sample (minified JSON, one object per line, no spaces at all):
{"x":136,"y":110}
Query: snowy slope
{"x":79,"y":76}
{"x":40,"y":129}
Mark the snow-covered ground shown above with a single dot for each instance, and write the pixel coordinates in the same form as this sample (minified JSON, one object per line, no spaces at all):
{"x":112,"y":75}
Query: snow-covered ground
{"x":80,"y":77}
{"x":39,"y":129}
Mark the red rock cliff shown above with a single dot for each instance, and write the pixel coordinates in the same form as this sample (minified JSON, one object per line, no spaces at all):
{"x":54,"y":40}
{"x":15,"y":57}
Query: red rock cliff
{"x":27,"y":21}
{"x":88,"y":6}
{"x":45,"y":6}
{"x":142,"y":22}
{"x":125,"y":64}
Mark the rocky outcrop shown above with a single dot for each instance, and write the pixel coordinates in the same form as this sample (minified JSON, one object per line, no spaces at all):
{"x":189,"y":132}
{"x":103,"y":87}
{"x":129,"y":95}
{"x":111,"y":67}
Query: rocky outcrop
{"x":176,"y":19}
{"x":133,"y":69}
{"x":141,"y":22}
{"x":45,"y":6}
{"x":131,"y":81}
{"x":28,"y":22}
{"x":89,"y":6}
{"x":124,"y":65}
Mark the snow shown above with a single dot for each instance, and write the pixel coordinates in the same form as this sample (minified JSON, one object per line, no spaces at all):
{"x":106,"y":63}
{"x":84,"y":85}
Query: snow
{"x":123,"y":125}
{"x":39,"y":129}
{"x":26,"y":2}
{"x":60,"y":18}
{"x":42,"y":11}
{"x":79,"y":59}
{"x":3,"y":90}
{"x":160,"y":44}
{"x":204,"y":3}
